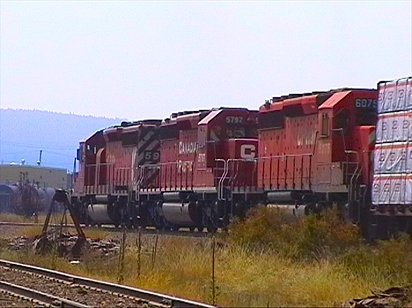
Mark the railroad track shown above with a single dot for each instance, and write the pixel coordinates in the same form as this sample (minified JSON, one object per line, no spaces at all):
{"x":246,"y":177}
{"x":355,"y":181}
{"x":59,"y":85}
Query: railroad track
{"x":49,"y":287}
{"x":13,"y":295}
{"x":14,"y":299}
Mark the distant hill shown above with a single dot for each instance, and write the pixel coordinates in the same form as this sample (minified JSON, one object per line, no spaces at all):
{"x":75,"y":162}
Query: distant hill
{"x":23,"y":133}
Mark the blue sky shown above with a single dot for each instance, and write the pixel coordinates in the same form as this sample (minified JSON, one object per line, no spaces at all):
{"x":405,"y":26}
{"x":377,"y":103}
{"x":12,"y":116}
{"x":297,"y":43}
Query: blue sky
{"x":139,"y":60}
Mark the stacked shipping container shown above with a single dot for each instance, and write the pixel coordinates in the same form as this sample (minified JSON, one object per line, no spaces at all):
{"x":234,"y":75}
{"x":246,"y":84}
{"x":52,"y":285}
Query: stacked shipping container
{"x":392,"y":180}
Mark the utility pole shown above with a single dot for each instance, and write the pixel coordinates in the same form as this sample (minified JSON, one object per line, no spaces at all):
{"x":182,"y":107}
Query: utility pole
{"x":39,"y":161}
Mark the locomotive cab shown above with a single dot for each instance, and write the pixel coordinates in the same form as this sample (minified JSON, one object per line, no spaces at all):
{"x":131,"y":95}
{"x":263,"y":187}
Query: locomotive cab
{"x":227,"y":139}
{"x":203,"y":157}
{"x":352,"y":111}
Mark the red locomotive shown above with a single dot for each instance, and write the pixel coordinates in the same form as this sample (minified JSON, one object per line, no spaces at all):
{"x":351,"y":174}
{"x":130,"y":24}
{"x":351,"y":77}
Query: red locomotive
{"x":304,"y":152}
{"x":172,"y":173}
{"x":315,"y":148}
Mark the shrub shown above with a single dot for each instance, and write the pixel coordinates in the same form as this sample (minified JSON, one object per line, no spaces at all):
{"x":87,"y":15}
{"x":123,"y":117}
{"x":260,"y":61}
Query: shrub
{"x":312,"y":236}
{"x":326,"y":234}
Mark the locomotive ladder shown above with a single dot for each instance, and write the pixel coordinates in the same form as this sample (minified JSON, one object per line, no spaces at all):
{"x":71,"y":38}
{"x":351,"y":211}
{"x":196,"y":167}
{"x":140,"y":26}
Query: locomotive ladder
{"x":356,"y":195}
{"x":229,"y":178}
{"x":352,"y":177}
{"x":237,"y":169}
{"x":223,"y":177}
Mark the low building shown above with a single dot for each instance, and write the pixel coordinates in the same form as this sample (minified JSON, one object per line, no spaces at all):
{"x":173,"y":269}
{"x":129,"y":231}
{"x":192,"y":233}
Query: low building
{"x":41,"y":175}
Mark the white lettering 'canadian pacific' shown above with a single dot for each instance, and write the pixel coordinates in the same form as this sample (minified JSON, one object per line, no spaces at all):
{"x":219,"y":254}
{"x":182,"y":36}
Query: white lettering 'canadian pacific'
{"x":187,"y":148}
{"x":247,"y":151}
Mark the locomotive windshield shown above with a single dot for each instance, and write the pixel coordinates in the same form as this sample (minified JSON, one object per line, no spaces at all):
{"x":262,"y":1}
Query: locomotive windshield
{"x":365,"y":113}
{"x":235,"y":132}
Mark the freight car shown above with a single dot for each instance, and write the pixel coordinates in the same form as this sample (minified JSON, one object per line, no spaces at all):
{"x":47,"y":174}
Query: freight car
{"x":302,"y":152}
{"x":24,"y":198}
{"x":391,"y":209}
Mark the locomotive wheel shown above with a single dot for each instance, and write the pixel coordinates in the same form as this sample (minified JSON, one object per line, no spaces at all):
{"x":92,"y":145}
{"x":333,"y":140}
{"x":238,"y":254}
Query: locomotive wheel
{"x":200,"y":229}
{"x":211,"y":229}
{"x":192,"y":229}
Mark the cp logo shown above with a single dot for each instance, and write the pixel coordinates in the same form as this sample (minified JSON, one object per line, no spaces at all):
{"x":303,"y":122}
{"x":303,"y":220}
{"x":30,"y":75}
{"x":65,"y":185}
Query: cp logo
{"x":247,"y":151}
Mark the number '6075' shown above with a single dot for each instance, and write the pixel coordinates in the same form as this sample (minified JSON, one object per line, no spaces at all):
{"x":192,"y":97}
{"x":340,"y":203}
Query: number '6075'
{"x":365,"y":103}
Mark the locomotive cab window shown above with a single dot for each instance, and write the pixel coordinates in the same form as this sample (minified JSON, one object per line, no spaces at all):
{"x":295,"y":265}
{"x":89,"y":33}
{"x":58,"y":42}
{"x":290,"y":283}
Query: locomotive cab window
{"x":342,"y":120}
{"x":325,"y":125}
{"x":366,"y":117}
{"x":235,"y":132}
{"x":365,"y":111}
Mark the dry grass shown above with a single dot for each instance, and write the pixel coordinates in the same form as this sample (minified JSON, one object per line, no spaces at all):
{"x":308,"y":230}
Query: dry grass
{"x":33,"y":231}
{"x":313,"y":266}
{"x":243,"y":278}
{"x":8,"y":217}
{"x":29,"y":231}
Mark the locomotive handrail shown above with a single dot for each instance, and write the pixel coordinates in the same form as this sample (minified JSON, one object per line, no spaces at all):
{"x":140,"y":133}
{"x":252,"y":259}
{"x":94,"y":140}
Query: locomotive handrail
{"x":220,"y":189}
{"x":139,"y":181}
{"x":177,"y":164}
{"x":234,"y":176}
{"x":94,"y":185}
{"x":354,"y":193}
{"x":285,"y":157}
{"x":351,"y":183}
{"x":164,"y":164}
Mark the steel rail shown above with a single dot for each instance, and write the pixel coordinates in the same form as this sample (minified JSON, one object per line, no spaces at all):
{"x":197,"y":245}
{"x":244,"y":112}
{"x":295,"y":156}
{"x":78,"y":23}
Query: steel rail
{"x":41,"y":297}
{"x":107,"y":286}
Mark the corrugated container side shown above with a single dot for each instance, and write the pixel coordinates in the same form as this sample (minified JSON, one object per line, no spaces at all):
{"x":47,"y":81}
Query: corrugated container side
{"x":394,"y":127}
{"x":395,"y":95}
{"x":392,"y":189}
{"x":393,"y":158}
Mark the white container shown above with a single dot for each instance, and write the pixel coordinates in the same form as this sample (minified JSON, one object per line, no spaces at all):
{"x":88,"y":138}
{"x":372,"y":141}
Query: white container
{"x":394,"y":127}
{"x":392,"y":189}
{"x":391,"y":158}
{"x":395,"y":95}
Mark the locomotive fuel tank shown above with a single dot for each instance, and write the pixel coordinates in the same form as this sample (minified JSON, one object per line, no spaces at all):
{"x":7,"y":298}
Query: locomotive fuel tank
{"x":99,"y":213}
{"x":180,"y":214}
{"x":103,"y":211}
{"x":282,"y":196}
